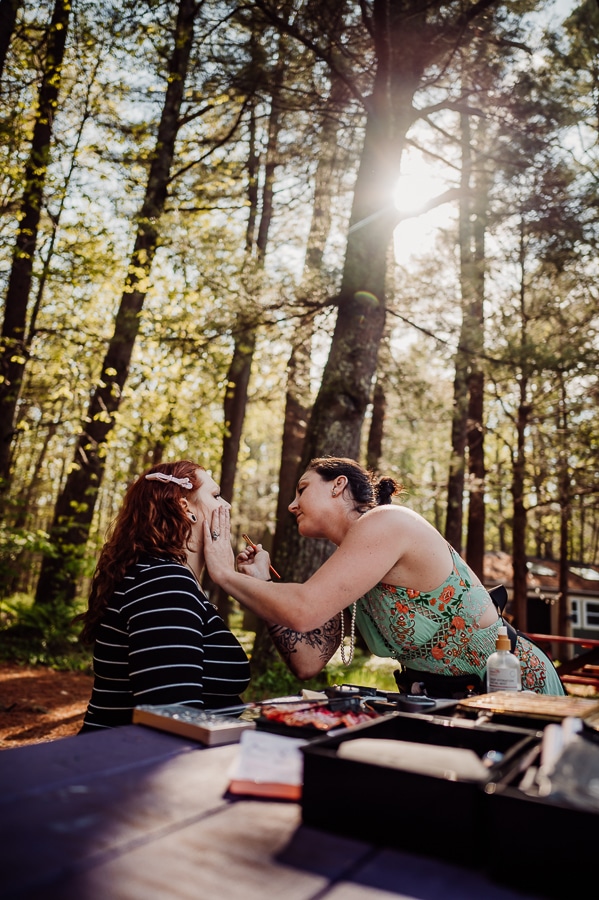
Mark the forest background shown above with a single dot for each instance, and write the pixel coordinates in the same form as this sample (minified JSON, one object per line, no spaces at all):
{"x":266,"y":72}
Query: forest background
{"x":250,"y":233}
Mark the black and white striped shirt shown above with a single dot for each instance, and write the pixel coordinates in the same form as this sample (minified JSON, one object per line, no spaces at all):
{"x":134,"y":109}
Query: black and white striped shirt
{"x":162,"y":641}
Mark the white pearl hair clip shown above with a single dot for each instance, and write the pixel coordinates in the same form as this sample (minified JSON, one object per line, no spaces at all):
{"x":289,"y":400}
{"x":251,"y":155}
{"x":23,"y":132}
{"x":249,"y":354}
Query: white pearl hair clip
{"x":162,"y":476}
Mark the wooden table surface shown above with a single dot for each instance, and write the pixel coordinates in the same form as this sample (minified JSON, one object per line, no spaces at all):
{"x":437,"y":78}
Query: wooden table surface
{"x":137,"y":814}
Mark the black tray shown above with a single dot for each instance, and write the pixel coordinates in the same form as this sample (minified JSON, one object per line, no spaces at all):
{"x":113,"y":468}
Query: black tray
{"x":408,"y":810}
{"x":338,"y":704}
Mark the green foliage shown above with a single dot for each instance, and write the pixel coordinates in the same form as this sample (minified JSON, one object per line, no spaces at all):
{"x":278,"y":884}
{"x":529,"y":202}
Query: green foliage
{"x":278,"y":681}
{"x":14,"y":543}
{"x":364,"y":670}
{"x":39,"y":635}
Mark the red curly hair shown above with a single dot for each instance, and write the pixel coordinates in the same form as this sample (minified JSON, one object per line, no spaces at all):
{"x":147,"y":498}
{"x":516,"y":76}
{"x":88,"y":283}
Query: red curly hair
{"x":151,"y":520}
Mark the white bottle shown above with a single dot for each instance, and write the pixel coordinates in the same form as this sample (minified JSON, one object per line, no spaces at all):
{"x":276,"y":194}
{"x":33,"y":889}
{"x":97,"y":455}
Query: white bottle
{"x":503,"y":668}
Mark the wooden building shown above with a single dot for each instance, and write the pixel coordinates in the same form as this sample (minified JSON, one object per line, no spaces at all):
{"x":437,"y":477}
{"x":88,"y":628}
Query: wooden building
{"x":543,"y":593}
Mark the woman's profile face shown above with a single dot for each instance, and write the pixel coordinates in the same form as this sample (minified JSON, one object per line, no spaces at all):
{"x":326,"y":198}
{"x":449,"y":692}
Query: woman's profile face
{"x":312,"y":504}
{"x":207,"y":497}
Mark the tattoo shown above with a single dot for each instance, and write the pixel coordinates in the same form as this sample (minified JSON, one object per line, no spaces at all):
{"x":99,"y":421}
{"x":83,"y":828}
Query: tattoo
{"x":323,"y":641}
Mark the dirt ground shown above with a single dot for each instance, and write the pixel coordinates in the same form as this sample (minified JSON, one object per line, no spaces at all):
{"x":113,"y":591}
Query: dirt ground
{"x":39,"y":704}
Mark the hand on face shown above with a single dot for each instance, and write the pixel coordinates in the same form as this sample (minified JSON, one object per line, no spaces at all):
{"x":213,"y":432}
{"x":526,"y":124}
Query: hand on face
{"x":218,"y":552}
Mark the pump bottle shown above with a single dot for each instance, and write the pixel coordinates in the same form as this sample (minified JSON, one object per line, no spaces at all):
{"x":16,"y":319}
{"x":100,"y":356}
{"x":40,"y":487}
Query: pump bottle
{"x":503,"y":668}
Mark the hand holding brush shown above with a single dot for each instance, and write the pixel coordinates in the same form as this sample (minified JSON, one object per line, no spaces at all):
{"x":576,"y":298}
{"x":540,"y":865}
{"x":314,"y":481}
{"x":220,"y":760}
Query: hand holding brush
{"x":251,"y":544}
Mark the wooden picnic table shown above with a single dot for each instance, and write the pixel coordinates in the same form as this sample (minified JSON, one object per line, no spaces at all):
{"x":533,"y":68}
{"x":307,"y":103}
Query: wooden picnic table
{"x":134,"y":812}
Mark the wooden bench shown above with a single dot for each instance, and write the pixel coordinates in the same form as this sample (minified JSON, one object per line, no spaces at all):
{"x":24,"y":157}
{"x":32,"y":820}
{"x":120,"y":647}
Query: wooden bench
{"x":583,"y":668}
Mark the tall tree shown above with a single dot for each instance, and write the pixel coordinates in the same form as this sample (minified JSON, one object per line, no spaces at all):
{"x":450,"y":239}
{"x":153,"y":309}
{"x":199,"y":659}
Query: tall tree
{"x":13,"y":349}
{"x":299,"y":394}
{"x":298,"y":398}
{"x":565,"y":506}
{"x":467,"y":419}
{"x":248,"y":318}
{"x":409,"y":38}
{"x":75,"y":506}
{"x":519,"y":561}
{"x":459,"y":419}
{"x":475,"y":541}
{"x":8,"y":17}
{"x":261,"y":185}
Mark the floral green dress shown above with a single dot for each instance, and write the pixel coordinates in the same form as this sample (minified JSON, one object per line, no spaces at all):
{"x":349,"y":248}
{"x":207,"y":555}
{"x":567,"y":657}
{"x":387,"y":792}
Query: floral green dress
{"x":437,"y":631}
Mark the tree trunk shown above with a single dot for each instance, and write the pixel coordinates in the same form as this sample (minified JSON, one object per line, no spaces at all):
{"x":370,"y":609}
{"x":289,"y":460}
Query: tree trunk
{"x":234,"y":406}
{"x":76,"y":504}
{"x":298,"y":402}
{"x":455,"y":482}
{"x":13,"y":348}
{"x":459,"y":419}
{"x":8,"y":18}
{"x":520,"y":598}
{"x":374,"y":447}
{"x":246,"y":326}
{"x":563,"y":626}
{"x":475,"y":541}
{"x":297,"y":416}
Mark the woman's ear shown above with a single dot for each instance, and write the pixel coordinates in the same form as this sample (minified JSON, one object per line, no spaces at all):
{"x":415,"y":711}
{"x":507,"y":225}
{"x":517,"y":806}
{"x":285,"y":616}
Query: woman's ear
{"x":338,"y":485}
{"x":186,"y":510}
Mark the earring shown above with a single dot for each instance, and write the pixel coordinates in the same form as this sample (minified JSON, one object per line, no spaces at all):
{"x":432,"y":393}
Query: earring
{"x":193,"y":517}
{"x":333,"y":493}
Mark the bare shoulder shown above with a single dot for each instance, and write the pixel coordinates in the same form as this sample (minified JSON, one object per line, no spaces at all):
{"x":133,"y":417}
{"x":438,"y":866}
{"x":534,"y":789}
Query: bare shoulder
{"x":391,"y":516}
{"x":418,"y":554}
{"x":406,"y":530}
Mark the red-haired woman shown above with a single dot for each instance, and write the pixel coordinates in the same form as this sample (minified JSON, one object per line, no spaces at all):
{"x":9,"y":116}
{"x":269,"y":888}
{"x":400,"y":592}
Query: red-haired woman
{"x":157,"y":638}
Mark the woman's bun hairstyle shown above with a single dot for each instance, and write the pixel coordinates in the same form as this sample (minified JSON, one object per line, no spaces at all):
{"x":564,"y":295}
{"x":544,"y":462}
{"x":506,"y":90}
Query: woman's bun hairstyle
{"x":384,"y":489}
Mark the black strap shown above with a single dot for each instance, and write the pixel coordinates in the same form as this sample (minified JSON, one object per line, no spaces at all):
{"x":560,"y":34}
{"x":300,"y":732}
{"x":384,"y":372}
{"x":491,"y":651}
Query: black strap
{"x":512,"y":634}
{"x":499,"y":597}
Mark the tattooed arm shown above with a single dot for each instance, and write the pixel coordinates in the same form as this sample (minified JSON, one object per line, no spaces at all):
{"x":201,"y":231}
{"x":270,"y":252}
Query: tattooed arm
{"x":307,"y":653}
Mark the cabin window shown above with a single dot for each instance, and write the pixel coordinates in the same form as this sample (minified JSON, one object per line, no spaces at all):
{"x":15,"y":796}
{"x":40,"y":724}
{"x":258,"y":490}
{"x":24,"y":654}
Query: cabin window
{"x":591,"y":610}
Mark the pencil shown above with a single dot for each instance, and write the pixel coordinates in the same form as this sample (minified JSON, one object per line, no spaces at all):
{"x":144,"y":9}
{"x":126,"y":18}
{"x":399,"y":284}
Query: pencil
{"x":250,"y":542}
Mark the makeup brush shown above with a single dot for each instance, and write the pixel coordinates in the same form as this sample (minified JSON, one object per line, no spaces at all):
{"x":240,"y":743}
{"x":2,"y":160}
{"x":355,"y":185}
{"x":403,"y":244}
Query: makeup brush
{"x":251,"y":544}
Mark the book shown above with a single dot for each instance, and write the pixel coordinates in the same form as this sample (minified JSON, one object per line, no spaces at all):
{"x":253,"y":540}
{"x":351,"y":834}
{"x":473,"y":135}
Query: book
{"x":268,"y":765}
{"x":209,"y":727}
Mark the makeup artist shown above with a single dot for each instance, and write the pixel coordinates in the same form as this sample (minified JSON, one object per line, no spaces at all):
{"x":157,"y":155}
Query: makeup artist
{"x":393,"y":577}
{"x":157,"y":637}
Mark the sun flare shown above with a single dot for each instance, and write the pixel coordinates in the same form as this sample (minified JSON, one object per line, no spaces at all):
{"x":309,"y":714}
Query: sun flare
{"x":419,"y":183}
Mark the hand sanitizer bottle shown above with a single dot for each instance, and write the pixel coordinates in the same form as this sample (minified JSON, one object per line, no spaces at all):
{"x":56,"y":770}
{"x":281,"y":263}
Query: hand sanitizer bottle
{"x":503,"y":668}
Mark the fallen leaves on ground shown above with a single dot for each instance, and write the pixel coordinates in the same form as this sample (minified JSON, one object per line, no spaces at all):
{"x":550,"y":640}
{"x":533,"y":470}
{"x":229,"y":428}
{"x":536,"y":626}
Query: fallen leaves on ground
{"x":40,"y":704}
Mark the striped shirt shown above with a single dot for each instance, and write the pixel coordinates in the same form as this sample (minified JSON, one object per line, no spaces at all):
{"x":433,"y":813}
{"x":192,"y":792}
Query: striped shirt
{"x":162,"y":641}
